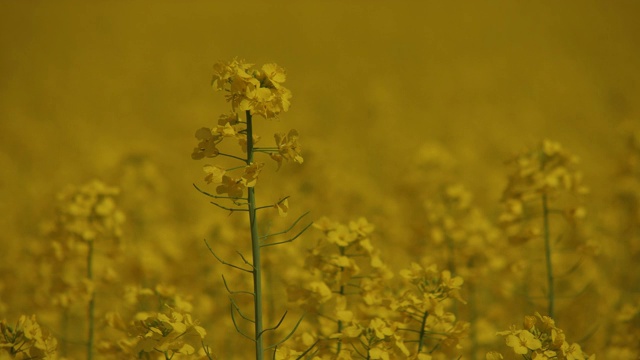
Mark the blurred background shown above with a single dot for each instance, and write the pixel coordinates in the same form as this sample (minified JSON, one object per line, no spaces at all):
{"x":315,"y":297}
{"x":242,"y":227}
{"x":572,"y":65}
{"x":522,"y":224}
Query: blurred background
{"x":86,"y":84}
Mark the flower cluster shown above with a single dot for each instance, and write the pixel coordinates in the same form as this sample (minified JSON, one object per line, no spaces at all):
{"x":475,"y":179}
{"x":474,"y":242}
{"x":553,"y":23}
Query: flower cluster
{"x":540,"y":339}
{"x":359,"y":314}
{"x":168,"y":330}
{"x":288,"y":148}
{"x":89,"y":213}
{"x":423,"y":305}
{"x":27,"y":340}
{"x":259,"y":91}
{"x":252,"y":92}
{"x":625,"y":332}
{"x":87,"y":217}
{"x":547,"y":172}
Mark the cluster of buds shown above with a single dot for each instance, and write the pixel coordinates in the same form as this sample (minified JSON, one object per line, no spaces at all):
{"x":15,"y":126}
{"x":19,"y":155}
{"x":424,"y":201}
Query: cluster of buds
{"x":540,"y":339}
{"x":89,"y":212}
{"x":251,"y":92}
{"x":547,"y":172}
{"x":257,"y":90}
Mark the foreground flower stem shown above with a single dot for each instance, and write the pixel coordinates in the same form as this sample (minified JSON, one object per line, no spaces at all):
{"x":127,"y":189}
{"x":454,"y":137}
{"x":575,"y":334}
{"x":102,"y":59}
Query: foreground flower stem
{"x":91,"y":308}
{"x":547,"y":250}
{"x":255,"y":248}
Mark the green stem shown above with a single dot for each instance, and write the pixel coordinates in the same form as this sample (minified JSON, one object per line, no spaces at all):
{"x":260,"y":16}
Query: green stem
{"x":91,"y":308}
{"x":473,"y":315}
{"x":452,"y":266}
{"x":547,"y":250}
{"x":255,"y":247}
{"x":423,"y":323}
{"x":340,"y":325}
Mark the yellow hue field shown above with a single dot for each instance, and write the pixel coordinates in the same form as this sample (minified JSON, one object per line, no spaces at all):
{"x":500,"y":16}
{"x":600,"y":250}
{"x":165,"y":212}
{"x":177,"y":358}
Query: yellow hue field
{"x":116,"y":90}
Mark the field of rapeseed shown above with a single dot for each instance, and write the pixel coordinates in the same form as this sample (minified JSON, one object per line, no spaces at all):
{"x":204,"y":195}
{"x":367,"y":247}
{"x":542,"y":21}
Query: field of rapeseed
{"x":319,"y":180}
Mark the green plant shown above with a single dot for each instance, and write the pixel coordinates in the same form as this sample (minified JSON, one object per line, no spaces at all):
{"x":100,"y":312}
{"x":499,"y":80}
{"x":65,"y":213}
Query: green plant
{"x":251,"y":92}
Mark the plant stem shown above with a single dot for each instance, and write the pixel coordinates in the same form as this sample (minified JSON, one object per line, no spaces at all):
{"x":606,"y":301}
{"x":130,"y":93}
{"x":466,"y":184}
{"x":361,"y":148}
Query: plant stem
{"x":423,"y":323}
{"x":339,"y":346}
{"x":91,"y":309}
{"x":255,"y":248}
{"x":547,"y":250}
{"x":473,"y":316}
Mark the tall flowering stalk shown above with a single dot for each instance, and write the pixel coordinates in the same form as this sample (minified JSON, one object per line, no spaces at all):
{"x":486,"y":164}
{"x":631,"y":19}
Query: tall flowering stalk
{"x":87,"y":217}
{"x":252,"y":92}
{"x":542,"y":177}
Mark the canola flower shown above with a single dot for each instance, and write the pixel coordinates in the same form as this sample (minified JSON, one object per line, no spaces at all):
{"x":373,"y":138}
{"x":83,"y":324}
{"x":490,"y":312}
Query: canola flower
{"x":252,"y":92}
{"x":354,"y":311}
{"x":357,"y":305}
{"x":26,"y":340}
{"x":540,"y":339}
{"x":543,"y":181}
{"x":86,"y":215}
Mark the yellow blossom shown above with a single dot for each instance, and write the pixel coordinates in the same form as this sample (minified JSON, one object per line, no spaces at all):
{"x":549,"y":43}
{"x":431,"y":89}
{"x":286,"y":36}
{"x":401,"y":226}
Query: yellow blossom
{"x":523,"y":342}
{"x":282,"y":207}
{"x":259,"y":91}
{"x":288,"y":148}
{"x":214,"y":174}
{"x":380,"y":328}
{"x":207,"y":145}
{"x":231,"y":186}
{"x":251,"y":173}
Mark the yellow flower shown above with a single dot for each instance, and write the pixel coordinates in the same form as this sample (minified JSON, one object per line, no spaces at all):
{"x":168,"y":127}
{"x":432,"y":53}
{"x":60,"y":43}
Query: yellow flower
{"x":274,"y":75}
{"x":207,"y":145}
{"x":233,"y":187}
{"x":214,"y":174}
{"x":288,"y":147}
{"x":378,"y":353}
{"x":362,"y":227}
{"x":546,"y":355}
{"x":260,"y":92}
{"x":573,"y":352}
{"x":251,"y":172}
{"x":27,"y":340}
{"x":226,"y":130}
{"x":546,"y":322}
{"x":282,"y":207}
{"x":285,"y":353}
{"x":231,"y":119}
{"x":523,"y":342}
{"x":341,"y":236}
{"x":454,"y":283}
{"x":320,"y":288}
{"x":380,"y":328}
{"x":493,"y":355}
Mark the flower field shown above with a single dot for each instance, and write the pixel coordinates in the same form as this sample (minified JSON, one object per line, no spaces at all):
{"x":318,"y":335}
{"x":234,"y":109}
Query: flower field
{"x":319,"y":180}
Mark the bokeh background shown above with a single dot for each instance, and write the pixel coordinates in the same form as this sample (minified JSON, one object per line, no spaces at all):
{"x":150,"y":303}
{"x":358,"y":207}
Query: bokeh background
{"x":115,"y":90}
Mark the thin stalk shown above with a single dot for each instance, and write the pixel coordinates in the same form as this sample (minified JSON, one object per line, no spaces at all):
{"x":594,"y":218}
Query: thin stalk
{"x":452,"y":266}
{"x":91,"y":308}
{"x":65,"y":333}
{"x":547,"y":251}
{"x":255,"y":248}
{"x":423,"y":323}
{"x":340,"y":326}
{"x":473,"y":315}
